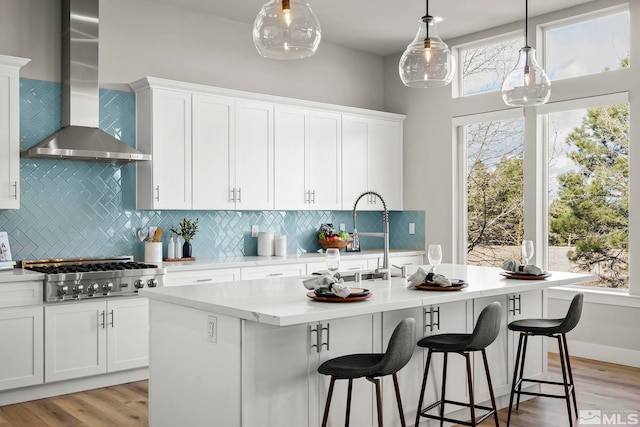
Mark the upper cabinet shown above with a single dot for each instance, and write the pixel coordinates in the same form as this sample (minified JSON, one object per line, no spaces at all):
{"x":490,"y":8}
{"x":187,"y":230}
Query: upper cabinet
{"x":220,"y":149}
{"x":371,"y":161}
{"x":307,"y":159}
{"x":10,"y":131}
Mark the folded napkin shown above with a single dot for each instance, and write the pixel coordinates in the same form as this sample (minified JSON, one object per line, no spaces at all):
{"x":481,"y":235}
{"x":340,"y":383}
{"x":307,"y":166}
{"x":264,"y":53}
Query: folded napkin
{"x":421,"y":276}
{"x":515,"y":266}
{"x":327,"y":282}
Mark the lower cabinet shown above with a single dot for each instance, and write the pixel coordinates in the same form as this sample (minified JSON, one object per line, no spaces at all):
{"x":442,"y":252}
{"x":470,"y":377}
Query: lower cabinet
{"x":501,"y":354}
{"x":21,"y":353}
{"x":89,"y":338}
{"x":281,"y":363}
{"x":272,"y":271}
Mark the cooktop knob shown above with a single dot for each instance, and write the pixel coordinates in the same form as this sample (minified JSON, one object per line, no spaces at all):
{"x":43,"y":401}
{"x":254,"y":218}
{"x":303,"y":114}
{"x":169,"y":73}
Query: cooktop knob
{"x":107,"y":287}
{"x":77,"y":290}
{"x":93,"y":288}
{"x":62,"y":290}
{"x":152,"y":283}
{"x":138,"y":284}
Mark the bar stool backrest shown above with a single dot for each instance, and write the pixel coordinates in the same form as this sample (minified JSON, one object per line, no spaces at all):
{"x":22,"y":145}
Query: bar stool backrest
{"x":573,"y":314}
{"x":400,"y":348}
{"x":487,"y":327}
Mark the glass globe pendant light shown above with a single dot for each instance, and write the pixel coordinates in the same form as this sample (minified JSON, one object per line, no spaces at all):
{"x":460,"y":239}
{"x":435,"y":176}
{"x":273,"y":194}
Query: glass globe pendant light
{"x":427,"y":61}
{"x":286,"y":29}
{"x":527,"y":84}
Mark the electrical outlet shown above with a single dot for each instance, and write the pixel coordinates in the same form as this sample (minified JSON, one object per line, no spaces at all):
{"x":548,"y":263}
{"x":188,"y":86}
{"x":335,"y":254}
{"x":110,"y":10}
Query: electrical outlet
{"x":412,"y":228}
{"x":342,"y":227}
{"x":212,"y":329}
{"x":254,"y":231}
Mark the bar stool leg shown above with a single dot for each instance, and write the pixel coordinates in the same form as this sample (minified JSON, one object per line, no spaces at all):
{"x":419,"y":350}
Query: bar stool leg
{"x":424,"y":385}
{"x":326,"y":406}
{"x":515,"y":376}
{"x":399,"y":400}
{"x":470,"y":383}
{"x":493,"y":398}
{"x":376,"y":381}
{"x":348,"y":415}
{"x":564,"y":377}
{"x":573,"y":386}
{"x":524,"y":355}
{"x":444,"y":386}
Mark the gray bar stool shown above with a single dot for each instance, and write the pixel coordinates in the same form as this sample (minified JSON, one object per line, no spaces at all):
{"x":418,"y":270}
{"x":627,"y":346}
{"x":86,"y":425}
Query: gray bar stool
{"x":485,"y":332}
{"x":372,"y":366}
{"x":555,"y":328}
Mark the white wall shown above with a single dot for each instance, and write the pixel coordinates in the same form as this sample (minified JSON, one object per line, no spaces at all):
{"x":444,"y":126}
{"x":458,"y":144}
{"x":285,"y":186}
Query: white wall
{"x":142,"y":38}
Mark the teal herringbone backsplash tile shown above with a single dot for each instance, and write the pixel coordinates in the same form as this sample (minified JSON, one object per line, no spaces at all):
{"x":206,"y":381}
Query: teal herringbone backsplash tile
{"x":74,"y":208}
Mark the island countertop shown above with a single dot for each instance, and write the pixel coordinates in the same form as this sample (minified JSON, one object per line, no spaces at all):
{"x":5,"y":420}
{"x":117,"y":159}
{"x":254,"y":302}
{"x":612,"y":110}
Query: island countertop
{"x":283,"y":301}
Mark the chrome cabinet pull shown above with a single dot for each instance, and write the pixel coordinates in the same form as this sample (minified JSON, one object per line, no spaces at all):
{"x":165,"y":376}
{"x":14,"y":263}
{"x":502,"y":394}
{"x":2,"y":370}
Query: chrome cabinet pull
{"x":328,"y":329}
{"x":157,"y":193}
{"x":313,"y":200}
{"x":113,"y":319}
{"x":205,"y":280}
{"x":437,"y":322}
{"x":275,"y":274}
{"x":240,"y":195}
{"x":519,"y":308}
{"x":318,"y":344}
{"x":15,"y":190}
{"x":232,"y":195}
{"x":103,"y":319}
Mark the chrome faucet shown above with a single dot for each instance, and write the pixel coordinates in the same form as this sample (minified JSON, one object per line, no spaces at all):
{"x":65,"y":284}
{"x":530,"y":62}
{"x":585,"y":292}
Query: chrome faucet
{"x":385,"y":271}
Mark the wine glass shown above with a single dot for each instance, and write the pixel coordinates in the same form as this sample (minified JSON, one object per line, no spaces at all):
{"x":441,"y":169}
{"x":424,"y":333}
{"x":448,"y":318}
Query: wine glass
{"x":332,"y":259}
{"x":434,"y":254}
{"x":527,"y":251}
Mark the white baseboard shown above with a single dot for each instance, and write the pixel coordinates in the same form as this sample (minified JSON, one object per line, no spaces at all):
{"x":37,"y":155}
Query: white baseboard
{"x":603,"y":353}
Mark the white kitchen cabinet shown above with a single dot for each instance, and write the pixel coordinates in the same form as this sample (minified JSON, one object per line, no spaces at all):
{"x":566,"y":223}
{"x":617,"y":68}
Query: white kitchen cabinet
{"x":371,"y":161}
{"x":307,"y":159}
{"x":10,"y":131}
{"x":297,"y":393}
{"x":164,"y":130}
{"x":21,"y":350}
{"x":213,"y":152}
{"x":254,"y":156}
{"x":89,"y":338}
{"x":199,"y":277}
{"x":501,"y":354}
{"x":271,"y":271}
{"x":430,"y":320}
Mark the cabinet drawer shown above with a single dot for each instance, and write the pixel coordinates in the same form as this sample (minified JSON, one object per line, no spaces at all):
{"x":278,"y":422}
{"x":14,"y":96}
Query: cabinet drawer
{"x":21,"y":293}
{"x":266,"y":272}
{"x":199,"y":277}
{"x":345,"y":265}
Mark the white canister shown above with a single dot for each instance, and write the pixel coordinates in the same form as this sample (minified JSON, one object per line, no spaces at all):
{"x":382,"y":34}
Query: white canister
{"x":152,"y":251}
{"x":281,"y":245}
{"x":265,"y":243}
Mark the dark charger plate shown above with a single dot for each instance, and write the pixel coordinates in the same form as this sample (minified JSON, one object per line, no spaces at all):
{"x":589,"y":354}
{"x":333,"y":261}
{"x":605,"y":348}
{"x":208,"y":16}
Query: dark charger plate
{"x":524,"y":276}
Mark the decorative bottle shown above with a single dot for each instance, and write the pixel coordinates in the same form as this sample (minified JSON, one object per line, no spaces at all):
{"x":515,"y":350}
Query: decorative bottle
{"x":178,"y":248}
{"x":171,"y":249}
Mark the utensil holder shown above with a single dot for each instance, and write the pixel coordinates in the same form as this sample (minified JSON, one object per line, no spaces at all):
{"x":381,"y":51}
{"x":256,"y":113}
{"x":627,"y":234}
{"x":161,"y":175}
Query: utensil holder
{"x":152,"y":251}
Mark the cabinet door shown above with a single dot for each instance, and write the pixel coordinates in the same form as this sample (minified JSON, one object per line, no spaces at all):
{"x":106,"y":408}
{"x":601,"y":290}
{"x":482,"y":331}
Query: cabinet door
{"x":254,"y":156}
{"x":275,"y":377}
{"x":291,"y":141}
{"x":325,"y":161}
{"x":75,"y":340}
{"x":346,"y":336}
{"x":127,"y":334}
{"x":171,"y":136}
{"x":21,"y":351}
{"x":217,"y":275}
{"x":213,"y":139}
{"x":273,"y":271}
{"x":499,"y":354}
{"x":529,"y":306}
{"x":385,"y":162}
{"x":9,"y":141}
{"x":355,"y":134}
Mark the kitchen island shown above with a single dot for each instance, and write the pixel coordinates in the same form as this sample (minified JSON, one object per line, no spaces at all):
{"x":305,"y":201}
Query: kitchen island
{"x":245,"y":353}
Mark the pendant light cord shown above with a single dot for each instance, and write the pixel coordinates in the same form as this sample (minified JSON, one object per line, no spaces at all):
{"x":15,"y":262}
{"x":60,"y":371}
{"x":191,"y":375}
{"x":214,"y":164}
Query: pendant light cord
{"x":526,"y":23}
{"x":426,"y":22}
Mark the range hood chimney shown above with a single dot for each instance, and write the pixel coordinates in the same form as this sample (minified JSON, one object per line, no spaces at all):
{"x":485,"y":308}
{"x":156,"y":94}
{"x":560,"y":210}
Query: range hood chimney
{"x":80,"y":138}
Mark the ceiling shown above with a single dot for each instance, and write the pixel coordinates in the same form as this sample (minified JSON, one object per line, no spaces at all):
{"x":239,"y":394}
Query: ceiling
{"x":375,"y":26}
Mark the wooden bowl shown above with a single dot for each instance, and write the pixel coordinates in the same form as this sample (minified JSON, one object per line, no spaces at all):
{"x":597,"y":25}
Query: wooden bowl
{"x":336,"y":243}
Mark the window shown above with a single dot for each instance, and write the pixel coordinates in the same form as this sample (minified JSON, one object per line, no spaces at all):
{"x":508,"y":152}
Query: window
{"x":587,"y":46}
{"x":483,"y":67}
{"x":588,"y":172}
{"x":495,"y":216}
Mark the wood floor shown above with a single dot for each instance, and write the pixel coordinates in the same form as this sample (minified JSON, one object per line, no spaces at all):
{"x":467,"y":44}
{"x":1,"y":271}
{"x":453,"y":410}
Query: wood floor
{"x":600,"y":386}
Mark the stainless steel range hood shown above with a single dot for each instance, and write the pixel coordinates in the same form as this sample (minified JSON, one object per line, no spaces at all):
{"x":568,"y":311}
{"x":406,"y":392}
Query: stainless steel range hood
{"x":80,"y":138}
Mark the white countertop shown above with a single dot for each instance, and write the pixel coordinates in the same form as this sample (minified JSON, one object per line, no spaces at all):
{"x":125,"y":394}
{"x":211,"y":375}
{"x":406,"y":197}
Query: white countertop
{"x":283,"y":301}
{"x":249,"y":261}
{"x":19,"y":275}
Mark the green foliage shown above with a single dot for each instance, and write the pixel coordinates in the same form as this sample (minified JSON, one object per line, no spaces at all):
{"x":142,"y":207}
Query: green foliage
{"x":188,"y":229}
